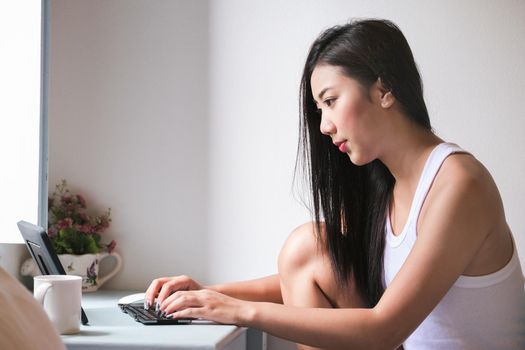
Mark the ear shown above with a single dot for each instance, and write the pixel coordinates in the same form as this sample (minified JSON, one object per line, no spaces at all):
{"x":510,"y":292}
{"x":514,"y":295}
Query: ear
{"x":386,"y":98}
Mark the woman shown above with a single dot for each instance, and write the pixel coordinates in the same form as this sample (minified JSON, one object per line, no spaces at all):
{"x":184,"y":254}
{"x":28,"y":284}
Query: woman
{"x":409,"y":243}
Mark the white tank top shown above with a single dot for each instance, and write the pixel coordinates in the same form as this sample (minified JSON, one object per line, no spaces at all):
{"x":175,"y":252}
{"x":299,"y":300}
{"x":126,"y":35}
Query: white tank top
{"x":482,"y":312}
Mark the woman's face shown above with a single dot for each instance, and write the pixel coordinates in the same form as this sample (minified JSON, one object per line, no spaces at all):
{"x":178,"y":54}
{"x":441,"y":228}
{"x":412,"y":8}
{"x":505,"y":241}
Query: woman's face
{"x":349,"y":117}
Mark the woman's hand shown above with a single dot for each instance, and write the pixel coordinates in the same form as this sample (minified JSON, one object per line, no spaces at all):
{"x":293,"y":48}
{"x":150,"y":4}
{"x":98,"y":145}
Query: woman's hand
{"x":207,"y":304}
{"x":163,"y":287}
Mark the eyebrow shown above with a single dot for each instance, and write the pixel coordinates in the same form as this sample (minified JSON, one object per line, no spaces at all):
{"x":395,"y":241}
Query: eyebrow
{"x":324,"y":91}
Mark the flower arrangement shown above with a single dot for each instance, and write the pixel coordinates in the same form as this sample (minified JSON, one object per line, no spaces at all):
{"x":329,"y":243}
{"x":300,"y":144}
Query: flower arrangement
{"x":71,"y":229}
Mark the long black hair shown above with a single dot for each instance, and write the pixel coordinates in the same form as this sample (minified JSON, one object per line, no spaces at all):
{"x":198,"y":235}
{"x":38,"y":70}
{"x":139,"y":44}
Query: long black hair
{"x":351,"y":199}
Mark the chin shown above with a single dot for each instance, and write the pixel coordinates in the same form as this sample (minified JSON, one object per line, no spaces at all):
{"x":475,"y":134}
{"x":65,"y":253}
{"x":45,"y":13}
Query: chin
{"x":358,"y":160}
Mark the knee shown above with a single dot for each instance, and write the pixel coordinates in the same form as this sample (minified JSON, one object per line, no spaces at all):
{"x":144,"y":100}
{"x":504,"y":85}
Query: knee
{"x":300,"y":249}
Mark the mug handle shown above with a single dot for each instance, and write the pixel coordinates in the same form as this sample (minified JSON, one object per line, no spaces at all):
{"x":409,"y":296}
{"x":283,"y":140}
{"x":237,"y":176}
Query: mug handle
{"x":118,"y":266}
{"x":41,"y":291}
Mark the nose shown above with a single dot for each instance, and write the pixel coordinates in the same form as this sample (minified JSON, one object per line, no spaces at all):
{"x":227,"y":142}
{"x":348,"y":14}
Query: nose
{"x":327,"y":127}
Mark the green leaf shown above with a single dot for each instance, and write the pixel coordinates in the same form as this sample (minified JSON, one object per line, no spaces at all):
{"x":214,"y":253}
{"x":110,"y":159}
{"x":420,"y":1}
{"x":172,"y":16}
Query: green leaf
{"x":96,"y":237}
{"x":91,"y":246}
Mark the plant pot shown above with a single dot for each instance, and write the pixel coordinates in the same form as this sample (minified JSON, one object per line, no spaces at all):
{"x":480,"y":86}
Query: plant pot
{"x":84,"y":265}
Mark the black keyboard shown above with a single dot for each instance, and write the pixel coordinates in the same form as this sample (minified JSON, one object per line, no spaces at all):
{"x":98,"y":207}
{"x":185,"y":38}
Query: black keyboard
{"x":149,"y":317}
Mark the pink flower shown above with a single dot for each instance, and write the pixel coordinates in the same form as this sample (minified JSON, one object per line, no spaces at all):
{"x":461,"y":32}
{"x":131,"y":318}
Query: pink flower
{"x":66,"y":199}
{"x":65,"y":223}
{"x":87,"y":228}
{"x":52,"y":232}
{"x":83,"y":228}
{"x":68,"y":211}
{"x":81,"y":201}
{"x":111,"y":246}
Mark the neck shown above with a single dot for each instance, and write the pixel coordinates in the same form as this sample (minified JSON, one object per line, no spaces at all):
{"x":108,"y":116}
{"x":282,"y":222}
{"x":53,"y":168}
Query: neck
{"x":406,"y":153}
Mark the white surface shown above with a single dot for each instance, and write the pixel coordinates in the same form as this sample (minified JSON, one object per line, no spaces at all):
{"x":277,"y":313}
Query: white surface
{"x":133,"y":298}
{"x":110,"y":328}
{"x":20,"y":37}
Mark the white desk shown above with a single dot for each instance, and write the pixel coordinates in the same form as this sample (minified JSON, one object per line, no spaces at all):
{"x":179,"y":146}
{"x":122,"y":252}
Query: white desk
{"x":110,"y":328}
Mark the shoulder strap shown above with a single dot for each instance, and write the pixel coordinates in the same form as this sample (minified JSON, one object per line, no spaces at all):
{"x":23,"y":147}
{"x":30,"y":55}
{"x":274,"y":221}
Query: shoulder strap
{"x":432,"y":166}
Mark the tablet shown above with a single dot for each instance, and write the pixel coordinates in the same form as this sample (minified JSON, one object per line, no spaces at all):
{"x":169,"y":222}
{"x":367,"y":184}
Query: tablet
{"x":42,"y":252}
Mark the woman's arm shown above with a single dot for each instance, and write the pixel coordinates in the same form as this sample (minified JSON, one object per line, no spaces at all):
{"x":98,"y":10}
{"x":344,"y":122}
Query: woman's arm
{"x":267,"y":289}
{"x":456,"y":225}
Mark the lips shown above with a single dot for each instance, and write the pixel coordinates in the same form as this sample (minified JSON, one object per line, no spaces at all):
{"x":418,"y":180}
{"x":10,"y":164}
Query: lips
{"x":341,"y":145}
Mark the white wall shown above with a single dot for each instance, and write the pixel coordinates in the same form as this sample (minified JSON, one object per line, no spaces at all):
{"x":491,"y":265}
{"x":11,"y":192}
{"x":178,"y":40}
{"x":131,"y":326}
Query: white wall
{"x":128,"y":126}
{"x":471,"y":64}
{"x":183,"y":117}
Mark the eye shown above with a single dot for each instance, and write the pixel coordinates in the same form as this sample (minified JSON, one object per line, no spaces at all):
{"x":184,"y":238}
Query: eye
{"x":329,"y":101}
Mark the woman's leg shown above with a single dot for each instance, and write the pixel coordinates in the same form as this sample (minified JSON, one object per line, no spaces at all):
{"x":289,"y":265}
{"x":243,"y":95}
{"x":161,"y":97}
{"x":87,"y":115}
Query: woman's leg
{"x":307,"y":278}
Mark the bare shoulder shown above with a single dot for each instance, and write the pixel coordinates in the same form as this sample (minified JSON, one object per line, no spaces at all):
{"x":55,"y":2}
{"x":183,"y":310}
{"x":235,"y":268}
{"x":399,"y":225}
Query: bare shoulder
{"x":465,"y":196}
{"x":464,"y":167}
{"x":463,"y":174}
{"x":464,"y":192}
{"x":465,"y":202}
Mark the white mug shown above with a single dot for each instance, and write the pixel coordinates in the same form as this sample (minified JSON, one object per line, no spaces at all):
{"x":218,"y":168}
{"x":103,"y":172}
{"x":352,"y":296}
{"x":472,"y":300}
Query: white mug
{"x":60,"y":295}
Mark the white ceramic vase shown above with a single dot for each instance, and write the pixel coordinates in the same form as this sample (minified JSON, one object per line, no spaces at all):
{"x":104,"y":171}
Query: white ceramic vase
{"x":85,"y":266}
